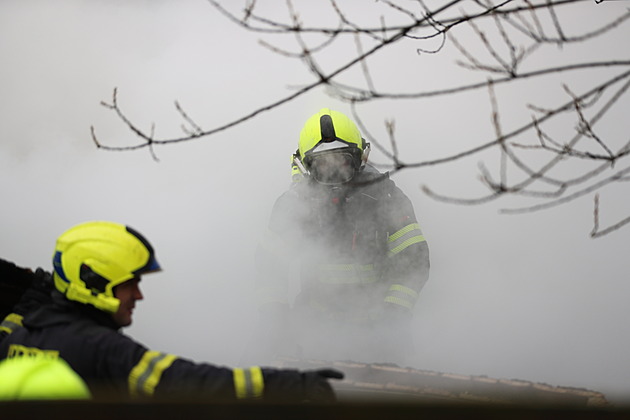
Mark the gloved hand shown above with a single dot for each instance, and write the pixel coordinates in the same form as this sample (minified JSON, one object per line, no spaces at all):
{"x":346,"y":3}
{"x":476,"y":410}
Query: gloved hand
{"x":316,"y":385}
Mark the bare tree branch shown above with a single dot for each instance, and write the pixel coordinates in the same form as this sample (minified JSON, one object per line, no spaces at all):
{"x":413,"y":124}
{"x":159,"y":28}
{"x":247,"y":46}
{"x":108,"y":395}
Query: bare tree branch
{"x":496,"y":42}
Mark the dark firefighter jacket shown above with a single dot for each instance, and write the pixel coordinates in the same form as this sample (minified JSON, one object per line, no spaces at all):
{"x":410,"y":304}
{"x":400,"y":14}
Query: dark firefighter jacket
{"x":360,"y":249}
{"x":112,"y":364}
{"x":21,"y":291}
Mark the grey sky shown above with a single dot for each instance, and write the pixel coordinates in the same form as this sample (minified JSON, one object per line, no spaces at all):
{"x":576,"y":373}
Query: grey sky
{"x":528,"y":297}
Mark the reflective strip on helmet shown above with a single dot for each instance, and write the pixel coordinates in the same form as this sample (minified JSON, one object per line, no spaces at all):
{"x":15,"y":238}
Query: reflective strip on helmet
{"x":11,"y":322}
{"x":409,"y":235}
{"x":401,"y":295}
{"x":58,"y":268}
{"x":145,"y":376}
{"x":347,"y":273}
{"x":248,"y":383}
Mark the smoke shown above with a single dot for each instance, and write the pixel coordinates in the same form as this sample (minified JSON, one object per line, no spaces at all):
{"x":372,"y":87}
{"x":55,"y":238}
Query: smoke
{"x":528,"y":297}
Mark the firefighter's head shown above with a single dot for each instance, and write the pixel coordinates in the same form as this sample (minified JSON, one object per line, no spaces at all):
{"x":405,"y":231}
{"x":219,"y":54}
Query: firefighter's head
{"x":100,"y":263}
{"x":331,"y":148}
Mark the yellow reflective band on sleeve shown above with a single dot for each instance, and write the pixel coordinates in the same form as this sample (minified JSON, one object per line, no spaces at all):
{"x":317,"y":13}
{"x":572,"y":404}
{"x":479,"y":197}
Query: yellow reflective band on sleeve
{"x":402,"y":295}
{"x":404,"y":289}
{"x":409,"y":235}
{"x":401,"y":232}
{"x":11,"y":322}
{"x":145,"y":376}
{"x":408,"y":242}
{"x":346,"y":273}
{"x":398,"y":301}
{"x":248,"y":383}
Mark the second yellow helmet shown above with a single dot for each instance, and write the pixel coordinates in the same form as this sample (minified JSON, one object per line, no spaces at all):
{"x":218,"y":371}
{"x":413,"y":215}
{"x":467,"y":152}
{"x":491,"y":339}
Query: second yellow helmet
{"x":332,"y":134}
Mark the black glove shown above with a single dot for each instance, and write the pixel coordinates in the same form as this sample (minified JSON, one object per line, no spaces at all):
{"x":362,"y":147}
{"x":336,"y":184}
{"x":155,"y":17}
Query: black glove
{"x":316,"y":385}
{"x":299,"y":386}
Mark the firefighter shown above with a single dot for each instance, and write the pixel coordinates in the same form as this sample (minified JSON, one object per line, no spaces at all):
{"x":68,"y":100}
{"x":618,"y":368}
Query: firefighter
{"x":97,"y":269}
{"x":352,"y":237}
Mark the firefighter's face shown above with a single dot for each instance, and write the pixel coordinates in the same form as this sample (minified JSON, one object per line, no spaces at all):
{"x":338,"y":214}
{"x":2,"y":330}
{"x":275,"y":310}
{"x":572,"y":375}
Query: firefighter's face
{"x":332,"y":168}
{"x":127,"y":293}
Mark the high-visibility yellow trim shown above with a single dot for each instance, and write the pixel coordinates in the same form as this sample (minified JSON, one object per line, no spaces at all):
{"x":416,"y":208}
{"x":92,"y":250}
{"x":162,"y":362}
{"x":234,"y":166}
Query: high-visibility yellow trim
{"x":398,"y":301}
{"x":248,"y":383}
{"x":145,"y":376}
{"x":402,"y":296}
{"x":11,"y":322}
{"x":18,"y":350}
{"x":240,"y":385}
{"x":402,"y":231}
{"x":347,"y":273}
{"x":408,"y":242}
{"x":258,"y":382}
{"x":404,"y":289}
{"x":408,"y":235}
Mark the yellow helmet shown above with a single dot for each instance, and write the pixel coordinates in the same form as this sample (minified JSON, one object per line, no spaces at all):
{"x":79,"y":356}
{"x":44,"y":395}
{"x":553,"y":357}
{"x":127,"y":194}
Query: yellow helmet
{"x":40,"y":378}
{"x":92,"y":258}
{"x":330,"y":132}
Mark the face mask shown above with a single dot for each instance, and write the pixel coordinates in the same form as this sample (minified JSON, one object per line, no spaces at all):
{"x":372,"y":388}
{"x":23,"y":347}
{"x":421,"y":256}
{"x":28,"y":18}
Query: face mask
{"x":332,"y":168}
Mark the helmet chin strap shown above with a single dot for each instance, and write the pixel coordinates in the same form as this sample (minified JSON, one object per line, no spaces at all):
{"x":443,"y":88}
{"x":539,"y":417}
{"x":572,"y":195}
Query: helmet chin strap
{"x":81,"y":294}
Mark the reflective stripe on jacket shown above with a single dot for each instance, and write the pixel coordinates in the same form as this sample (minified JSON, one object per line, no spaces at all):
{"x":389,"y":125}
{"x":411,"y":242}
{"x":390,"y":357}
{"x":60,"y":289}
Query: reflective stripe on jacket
{"x":356,"y":248}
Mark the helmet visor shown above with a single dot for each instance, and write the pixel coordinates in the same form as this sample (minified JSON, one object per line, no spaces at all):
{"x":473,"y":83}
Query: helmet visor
{"x":332,"y":168}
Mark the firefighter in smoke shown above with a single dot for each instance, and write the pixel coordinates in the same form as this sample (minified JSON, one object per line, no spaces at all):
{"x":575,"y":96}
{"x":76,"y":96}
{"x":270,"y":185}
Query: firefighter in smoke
{"x":97,"y":270}
{"x":361,"y":256}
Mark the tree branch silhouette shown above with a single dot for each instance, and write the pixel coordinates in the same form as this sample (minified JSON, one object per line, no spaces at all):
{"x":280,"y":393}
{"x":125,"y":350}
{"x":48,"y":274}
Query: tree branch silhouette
{"x":497,"y":43}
